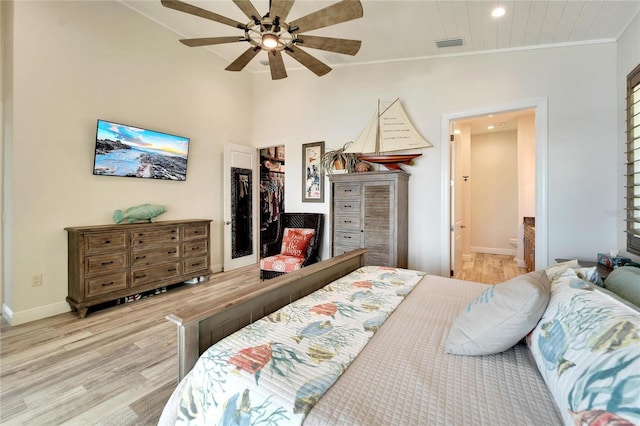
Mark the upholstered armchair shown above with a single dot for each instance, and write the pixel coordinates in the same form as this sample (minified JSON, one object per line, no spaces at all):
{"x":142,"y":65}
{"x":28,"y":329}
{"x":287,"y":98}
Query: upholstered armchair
{"x":297,"y":244}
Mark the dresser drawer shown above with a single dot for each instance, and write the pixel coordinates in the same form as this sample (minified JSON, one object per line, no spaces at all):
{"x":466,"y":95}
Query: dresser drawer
{"x":154,"y":256}
{"x":195,"y":264}
{"x":346,"y":223}
{"x":155,"y":273}
{"x":105,"y":284}
{"x":192,"y":232}
{"x":195,"y":248}
{"x":146,"y":238}
{"x":100,"y":242}
{"x":100,"y":264}
{"x":346,"y":191}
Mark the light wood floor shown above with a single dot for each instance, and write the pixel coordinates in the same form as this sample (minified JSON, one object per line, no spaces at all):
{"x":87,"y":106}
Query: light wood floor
{"x":490,"y":268}
{"x":118,"y":365}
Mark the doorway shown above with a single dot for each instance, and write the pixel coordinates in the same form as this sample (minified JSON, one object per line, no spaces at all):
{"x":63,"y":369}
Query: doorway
{"x":272,"y":179}
{"x":458,"y":178}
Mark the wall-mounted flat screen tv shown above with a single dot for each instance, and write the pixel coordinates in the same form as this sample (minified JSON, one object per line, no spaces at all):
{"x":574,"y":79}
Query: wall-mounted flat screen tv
{"x":123,"y":150}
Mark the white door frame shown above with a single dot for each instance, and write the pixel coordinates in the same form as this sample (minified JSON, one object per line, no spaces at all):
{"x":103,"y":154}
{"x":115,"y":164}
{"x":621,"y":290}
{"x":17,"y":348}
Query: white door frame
{"x":540,"y":105}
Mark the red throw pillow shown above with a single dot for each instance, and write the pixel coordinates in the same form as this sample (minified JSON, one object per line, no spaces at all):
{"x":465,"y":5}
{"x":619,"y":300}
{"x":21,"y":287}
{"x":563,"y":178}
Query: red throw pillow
{"x":295,"y":241}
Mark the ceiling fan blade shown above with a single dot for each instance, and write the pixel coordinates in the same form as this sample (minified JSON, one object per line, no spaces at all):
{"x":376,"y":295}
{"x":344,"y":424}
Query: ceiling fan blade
{"x":194,"y":10}
{"x":344,"y":11}
{"x":337,"y":45}
{"x":207,"y":41}
{"x":280,"y":8}
{"x":316,"y":66}
{"x":243,"y":59}
{"x":277,"y":65}
{"x":248,"y":9}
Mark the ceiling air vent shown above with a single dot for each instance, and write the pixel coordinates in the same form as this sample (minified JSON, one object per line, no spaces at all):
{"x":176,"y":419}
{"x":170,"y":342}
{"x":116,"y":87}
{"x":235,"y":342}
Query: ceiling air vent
{"x":449,"y":42}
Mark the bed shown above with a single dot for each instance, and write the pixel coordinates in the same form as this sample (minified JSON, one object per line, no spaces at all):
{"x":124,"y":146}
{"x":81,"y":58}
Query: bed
{"x":397,"y":372}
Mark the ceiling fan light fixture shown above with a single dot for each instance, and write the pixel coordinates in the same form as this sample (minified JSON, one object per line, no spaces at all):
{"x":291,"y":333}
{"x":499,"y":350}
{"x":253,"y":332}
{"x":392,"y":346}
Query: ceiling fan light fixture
{"x":270,"y":40}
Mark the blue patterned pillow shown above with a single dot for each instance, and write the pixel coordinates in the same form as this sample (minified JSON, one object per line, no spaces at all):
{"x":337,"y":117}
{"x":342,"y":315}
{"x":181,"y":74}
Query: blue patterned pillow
{"x":587,"y":348}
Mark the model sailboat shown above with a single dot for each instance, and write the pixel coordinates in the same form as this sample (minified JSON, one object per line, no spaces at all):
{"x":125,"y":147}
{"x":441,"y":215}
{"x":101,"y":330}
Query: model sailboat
{"x":388,"y":131}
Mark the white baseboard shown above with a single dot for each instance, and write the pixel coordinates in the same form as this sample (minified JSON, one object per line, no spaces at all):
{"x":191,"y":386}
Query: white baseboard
{"x":216,"y":268}
{"x":493,"y":250}
{"x":22,"y":317}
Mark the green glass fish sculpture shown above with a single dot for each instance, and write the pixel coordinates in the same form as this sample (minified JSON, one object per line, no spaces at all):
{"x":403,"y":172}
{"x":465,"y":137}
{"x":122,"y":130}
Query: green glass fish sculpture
{"x":133,"y":214}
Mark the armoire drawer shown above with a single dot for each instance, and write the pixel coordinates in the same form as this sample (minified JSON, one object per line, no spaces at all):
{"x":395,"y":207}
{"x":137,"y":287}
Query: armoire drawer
{"x":349,"y":207}
{"x":346,"y":191}
{"x":347,"y":238}
{"x":349,"y":223}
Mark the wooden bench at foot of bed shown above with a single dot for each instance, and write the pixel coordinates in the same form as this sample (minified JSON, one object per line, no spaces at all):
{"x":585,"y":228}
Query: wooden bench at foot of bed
{"x":203,"y":323}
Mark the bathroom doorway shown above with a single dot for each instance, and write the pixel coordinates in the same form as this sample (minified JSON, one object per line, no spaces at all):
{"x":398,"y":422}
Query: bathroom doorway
{"x":480,"y":224}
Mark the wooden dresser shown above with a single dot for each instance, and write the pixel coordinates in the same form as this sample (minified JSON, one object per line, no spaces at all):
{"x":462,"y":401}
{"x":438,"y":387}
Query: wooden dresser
{"x":107,"y":262}
{"x":530,"y":243}
{"x":369,"y":210}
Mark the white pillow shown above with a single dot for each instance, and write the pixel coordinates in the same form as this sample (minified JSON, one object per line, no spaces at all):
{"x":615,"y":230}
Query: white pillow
{"x":500,"y":316}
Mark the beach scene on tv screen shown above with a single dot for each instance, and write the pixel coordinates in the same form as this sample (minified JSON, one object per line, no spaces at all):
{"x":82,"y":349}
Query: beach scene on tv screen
{"x":130,"y":151}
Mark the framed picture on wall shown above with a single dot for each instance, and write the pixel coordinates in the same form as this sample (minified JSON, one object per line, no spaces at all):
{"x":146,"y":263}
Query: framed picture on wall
{"x":312,"y":181}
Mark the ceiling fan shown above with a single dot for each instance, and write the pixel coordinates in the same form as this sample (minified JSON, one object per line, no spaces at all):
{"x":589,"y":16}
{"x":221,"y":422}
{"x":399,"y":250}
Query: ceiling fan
{"x":274,"y":35}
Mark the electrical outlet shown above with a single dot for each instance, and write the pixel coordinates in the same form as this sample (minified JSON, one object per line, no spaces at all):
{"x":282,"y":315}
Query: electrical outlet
{"x":36,"y":280}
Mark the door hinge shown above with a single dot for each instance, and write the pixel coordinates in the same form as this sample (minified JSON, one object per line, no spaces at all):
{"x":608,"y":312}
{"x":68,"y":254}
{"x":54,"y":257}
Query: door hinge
{"x":451,"y":272}
{"x":452,"y":138}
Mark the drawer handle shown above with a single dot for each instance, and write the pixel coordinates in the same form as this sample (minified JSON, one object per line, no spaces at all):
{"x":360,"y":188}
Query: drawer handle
{"x":140,"y":234}
{"x":173,"y":238}
{"x":141,"y":257}
{"x":348,"y":190}
{"x":172,"y":252}
{"x":347,"y":221}
{"x":140,"y":242}
{"x":173,"y":231}
{"x":141,"y":276}
{"x":171,"y":270}
{"x":346,"y":207}
{"x":107,"y":263}
{"x":347,"y":236}
{"x":107,"y":284}
{"x":195,"y":248}
{"x":107,"y":241}
{"x":195,"y":264}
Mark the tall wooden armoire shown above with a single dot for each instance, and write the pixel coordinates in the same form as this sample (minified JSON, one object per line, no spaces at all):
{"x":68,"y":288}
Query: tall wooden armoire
{"x":371,"y":210}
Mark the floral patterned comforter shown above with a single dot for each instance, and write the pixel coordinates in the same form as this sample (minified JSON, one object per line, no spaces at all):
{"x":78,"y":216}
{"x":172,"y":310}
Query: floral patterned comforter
{"x":274,"y":370}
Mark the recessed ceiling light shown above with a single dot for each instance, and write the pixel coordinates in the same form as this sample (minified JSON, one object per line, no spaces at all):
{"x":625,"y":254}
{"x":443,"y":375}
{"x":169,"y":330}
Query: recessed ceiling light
{"x":490,"y":127}
{"x":498,"y":12}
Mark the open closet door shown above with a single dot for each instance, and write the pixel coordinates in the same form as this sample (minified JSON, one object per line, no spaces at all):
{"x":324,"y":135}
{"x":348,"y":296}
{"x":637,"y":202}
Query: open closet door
{"x":240,"y":206}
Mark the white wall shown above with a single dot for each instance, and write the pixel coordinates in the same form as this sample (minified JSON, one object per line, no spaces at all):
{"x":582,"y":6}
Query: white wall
{"x":628,"y":58}
{"x":494,"y":192}
{"x":75,"y":62}
{"x":578,"y":84}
